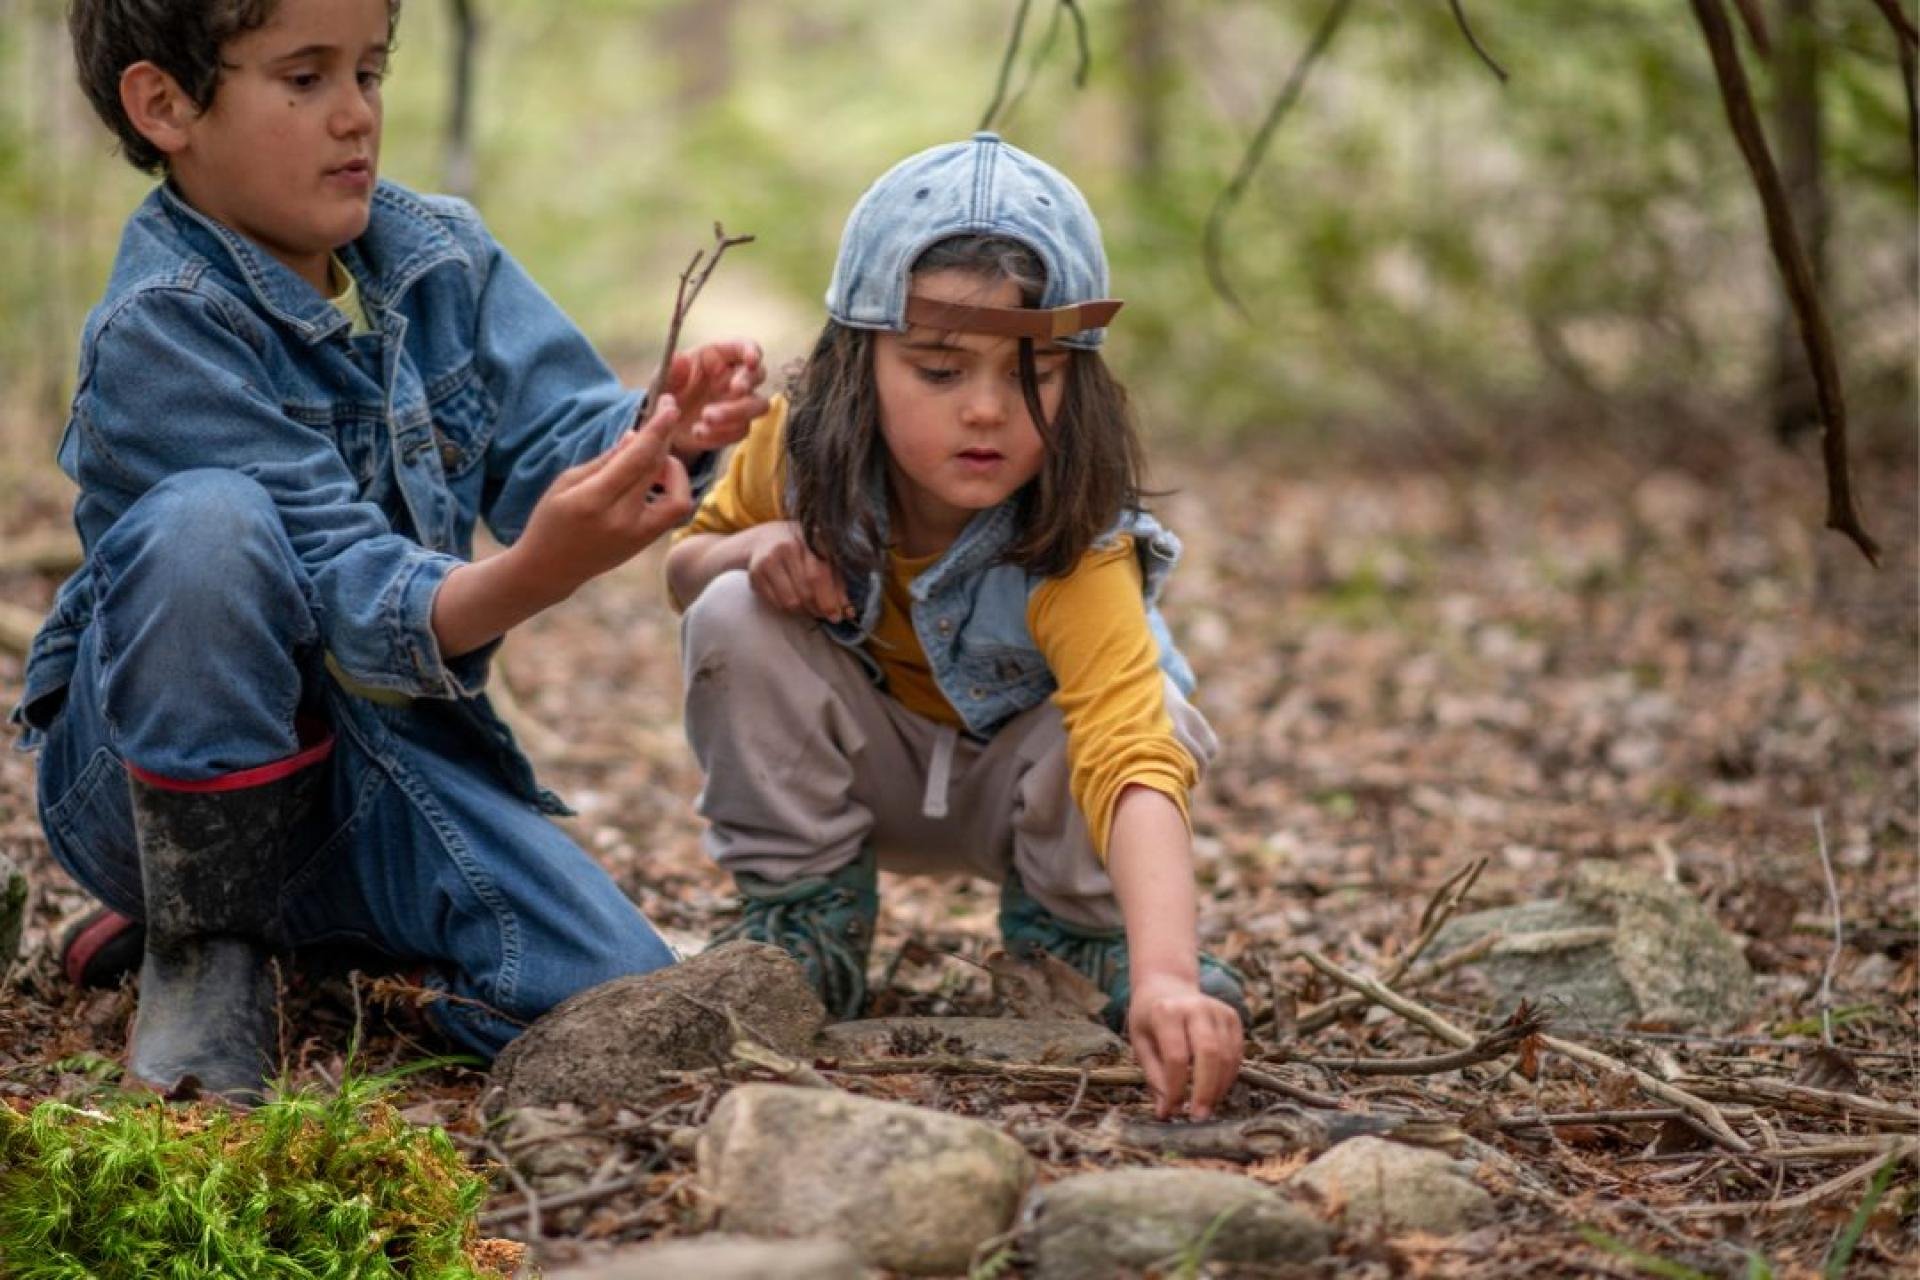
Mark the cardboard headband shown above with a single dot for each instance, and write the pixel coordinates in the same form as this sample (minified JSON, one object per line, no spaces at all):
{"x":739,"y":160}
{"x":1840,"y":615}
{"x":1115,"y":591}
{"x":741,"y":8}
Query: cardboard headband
{"x":1012,"y":322}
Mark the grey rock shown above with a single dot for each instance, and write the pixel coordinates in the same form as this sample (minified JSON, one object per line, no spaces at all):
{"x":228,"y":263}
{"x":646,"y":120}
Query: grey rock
{"x":610,"y":1043}
{"x":996,"y":1039}
{"x":13,"y":911}
{"x":909,"y":1189}
{"x":1368,"y":1182}
{"x":722,"y":1257}
{"x":1622,"y":946}
{"x":1098,"y":1225}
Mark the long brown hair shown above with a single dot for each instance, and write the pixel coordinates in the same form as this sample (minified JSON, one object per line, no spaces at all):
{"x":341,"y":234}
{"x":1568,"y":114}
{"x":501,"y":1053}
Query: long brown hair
{"x":836,"y":456}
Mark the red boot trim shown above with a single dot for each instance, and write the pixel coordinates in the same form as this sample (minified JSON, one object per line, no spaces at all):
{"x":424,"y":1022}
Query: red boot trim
{"x":85,"y":945}
{"x":258,"y":776}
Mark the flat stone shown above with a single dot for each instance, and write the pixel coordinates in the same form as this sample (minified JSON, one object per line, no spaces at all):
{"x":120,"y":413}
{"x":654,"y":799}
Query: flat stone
{"x":1621,"y":947}
{"x":910,"y":1189}
{"x":1369,"y":1182}
{"x":1096,"y":1225}
{"x":723,"y":1257}
{"x":13,"y":911}
{"x":610,"y":1043}
{"x":996,"y":1039}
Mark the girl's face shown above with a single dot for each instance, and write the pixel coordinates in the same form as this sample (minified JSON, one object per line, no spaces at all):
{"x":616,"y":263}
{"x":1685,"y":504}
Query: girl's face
{"x":958,"y":433}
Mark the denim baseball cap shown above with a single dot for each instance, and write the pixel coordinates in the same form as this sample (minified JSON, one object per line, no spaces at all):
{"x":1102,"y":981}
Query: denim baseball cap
{"x":978,"y":187}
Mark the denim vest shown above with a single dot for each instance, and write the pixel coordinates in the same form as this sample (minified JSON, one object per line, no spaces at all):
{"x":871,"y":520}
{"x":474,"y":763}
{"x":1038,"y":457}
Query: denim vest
{"x":970,"y":612}
{"x":381,"y":452}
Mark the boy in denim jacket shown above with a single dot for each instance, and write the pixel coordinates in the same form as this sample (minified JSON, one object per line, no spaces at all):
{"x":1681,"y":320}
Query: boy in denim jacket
{"x":260,"y":702}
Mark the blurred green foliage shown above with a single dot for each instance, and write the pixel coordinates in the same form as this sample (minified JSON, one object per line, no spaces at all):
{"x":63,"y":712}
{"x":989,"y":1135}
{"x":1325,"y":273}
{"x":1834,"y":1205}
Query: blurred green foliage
{"x":1423,"y":247}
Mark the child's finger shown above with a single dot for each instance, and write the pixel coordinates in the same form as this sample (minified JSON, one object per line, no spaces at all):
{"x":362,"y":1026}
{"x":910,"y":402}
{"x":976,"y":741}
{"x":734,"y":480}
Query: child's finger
{"x":1175,"y":1055}
{"x":1216,"y":1060}
{"x":637,"y":458}
{"x":1151,"y":1066}
{"x":827,"y":600}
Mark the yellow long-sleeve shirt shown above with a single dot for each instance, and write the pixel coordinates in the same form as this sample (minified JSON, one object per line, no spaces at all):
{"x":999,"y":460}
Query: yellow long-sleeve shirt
{"x":1089,"y":624}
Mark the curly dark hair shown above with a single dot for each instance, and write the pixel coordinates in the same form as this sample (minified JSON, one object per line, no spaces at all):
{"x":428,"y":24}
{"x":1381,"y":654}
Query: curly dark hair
{"x":181,"y":37}
{"x":1094,"y":464}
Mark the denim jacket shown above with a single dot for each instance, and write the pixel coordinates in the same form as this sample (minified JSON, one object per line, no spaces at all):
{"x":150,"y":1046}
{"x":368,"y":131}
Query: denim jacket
{"x":380,"y":451}
{"x":970,"y":613}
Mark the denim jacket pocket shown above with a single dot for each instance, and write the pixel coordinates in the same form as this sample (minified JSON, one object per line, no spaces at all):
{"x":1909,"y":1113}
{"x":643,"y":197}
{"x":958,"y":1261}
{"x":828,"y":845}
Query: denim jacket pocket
{"x":463,"y":415}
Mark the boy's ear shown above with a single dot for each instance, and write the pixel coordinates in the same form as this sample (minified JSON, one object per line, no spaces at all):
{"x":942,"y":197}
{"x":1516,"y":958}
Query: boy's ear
{"x":157,"y":106}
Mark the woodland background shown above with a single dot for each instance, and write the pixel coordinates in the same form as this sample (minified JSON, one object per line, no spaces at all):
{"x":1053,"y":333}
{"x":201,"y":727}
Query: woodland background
{"x":1502,"y":498}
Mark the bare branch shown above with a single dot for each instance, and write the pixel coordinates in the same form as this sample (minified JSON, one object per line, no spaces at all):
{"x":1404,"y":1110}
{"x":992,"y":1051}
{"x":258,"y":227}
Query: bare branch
{"x":1439,"y":909}
{"x":1839,"y":938}
{"x":1414,"y":1012}
{"x":1497,"y":1043}
{"x":1006,"y":64}
{"x":1755,"y":20}
{"x":1466,"y":29}
{"x":1795,"y":270}
{"x":1906,"y":39}
{"x":1223,"y":204}
{"x":1808,"y":1198}
{"x":688,"y":289}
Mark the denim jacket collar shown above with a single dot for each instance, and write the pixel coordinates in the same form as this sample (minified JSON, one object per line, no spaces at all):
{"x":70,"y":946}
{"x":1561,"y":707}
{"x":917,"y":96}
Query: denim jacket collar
{"x":403,"y":241}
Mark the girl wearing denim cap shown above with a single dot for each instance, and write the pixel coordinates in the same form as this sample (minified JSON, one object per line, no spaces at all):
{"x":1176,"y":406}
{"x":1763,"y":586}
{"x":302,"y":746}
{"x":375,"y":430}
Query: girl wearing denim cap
{"x":921,"y":626}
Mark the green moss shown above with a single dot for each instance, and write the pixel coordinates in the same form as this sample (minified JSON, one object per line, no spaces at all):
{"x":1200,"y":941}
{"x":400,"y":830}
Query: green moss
{"x":307,"y":1186}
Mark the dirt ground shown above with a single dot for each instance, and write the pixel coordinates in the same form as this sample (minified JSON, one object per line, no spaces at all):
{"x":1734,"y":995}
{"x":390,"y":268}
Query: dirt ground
{"x":1655,"y":658}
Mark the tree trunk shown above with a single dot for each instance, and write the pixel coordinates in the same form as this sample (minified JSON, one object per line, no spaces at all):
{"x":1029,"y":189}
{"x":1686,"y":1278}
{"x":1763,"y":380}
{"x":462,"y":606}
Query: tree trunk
{"x":1797,"y":126}
{"x":1150,"y":70}
{"x":699,"y":36}
{"x":461,"y":175}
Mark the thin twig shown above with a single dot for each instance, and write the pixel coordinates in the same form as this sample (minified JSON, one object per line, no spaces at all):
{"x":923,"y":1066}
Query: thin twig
{"x":1466,"y":29}
{"x":565,"y":1200}
{"x":1811,"y":1196}
{"x":703,"y":261}
{"x":1906,"y":39}
{"x":1699,"y":1108}
{"x":1410,"y":1010}
{"x":1211,"y":248}
{"x":1839,"y":938}
{"x":1795,"y":270}
{"x":529,"y":1198}
{"x":1646,"y":1115}
{"x":1274,"y":1084}
{"x":1756,"y":23}
{"x":1006,"y":64}
{"x":1806,"y":1100}
{"x":1439,"y":909}
{"x":1498,"y":1043}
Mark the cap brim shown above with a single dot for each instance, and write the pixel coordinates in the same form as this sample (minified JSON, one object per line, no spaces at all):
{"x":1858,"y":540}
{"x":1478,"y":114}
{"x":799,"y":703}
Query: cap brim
{"x":1012,"y":322}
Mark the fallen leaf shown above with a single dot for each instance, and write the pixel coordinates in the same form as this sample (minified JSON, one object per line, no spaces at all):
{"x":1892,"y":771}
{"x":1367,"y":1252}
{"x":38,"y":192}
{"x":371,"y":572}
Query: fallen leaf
{"x":1039,"y":986}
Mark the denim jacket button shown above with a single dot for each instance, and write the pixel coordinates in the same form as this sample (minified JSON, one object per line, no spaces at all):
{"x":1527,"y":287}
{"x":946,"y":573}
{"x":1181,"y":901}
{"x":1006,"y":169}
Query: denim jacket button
{"x":976,"y":693}
{"x":946,"y":626}
{"x":449,"y":454}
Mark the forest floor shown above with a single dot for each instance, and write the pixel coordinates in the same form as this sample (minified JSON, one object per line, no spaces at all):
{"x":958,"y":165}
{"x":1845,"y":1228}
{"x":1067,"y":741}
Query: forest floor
{"x":1648,"y":657}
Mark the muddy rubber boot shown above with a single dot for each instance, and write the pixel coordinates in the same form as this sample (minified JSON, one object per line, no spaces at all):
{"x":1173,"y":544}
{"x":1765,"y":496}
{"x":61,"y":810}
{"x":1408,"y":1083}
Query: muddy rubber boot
{"x":212,"y":855}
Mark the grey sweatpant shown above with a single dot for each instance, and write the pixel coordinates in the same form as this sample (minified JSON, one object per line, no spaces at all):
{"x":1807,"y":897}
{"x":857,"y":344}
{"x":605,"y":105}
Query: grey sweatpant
{"x":806,"y":761}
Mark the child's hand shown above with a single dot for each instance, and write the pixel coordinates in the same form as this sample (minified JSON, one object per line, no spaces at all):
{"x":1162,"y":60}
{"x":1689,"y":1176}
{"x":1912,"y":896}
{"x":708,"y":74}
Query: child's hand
{"x":717,"y":386}
{"x":788,"y":576}
{"x":600,"y":514}
{"x":1180,"y":1035}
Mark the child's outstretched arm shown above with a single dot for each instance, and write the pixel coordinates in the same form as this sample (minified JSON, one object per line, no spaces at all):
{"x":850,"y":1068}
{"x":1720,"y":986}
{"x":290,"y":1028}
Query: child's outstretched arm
{"x":592,"y":518}
{"x":1181,"y":1036}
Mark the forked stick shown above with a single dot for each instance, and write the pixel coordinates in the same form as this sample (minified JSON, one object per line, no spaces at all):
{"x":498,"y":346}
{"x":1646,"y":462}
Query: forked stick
{"x":704,"y":261}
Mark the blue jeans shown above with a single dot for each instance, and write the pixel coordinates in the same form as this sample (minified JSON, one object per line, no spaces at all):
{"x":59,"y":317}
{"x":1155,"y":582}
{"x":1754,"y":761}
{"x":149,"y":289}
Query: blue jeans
{"x":202,"y":653}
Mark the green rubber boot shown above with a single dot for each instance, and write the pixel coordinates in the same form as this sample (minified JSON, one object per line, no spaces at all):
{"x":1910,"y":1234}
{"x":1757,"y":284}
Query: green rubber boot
{"x":1100,"y":954}
{"x":824,"y":922}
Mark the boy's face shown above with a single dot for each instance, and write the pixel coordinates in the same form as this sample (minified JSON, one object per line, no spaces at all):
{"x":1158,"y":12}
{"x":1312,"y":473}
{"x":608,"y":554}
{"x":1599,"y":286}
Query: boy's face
{"x":288,"y":151}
